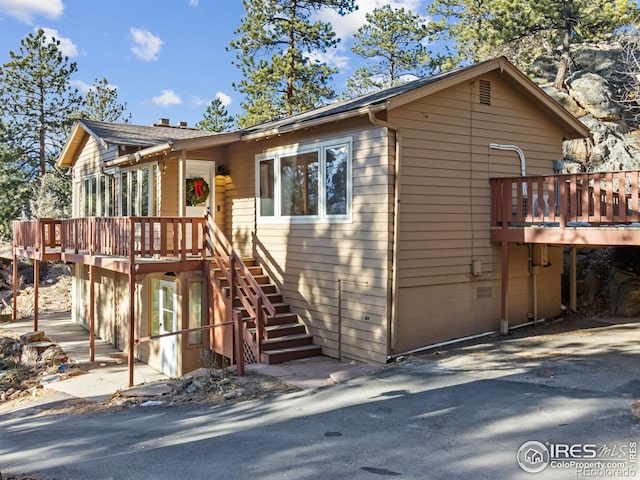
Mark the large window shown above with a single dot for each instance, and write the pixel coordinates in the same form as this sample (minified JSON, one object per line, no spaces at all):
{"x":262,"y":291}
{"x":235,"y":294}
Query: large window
{"x":137,"y":192}
{"x":97,"y":195}
{"x":309,"y":183}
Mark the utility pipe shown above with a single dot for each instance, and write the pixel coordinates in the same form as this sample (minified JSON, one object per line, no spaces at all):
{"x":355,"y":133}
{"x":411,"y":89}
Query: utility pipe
{"x":513,"y":148}
{"x":391,"y":331}
{"x":523,"y":171}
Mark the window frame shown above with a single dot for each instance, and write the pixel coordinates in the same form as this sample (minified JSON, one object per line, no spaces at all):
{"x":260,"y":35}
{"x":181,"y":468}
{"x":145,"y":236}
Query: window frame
{"x":158,"y":302}
{"x":134,"y":200}
{"x":95,"y":202}
{"x":196,"y":339}
{"x":276,"y":155}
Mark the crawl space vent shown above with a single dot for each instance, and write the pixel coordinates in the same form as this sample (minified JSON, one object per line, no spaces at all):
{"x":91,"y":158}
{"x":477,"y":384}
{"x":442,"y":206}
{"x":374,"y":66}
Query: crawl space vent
{"x":484,"y":292}
{"x":485,"y":92}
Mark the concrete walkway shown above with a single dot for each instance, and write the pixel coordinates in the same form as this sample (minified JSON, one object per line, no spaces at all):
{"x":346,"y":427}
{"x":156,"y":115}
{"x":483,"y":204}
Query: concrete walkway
{"x":109,"y":373}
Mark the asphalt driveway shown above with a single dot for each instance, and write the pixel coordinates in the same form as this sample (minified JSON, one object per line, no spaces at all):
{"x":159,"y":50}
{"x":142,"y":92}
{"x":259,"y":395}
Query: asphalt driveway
{"x":465,"y":412}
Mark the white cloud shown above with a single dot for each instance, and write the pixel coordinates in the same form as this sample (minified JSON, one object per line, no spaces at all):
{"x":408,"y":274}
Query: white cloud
{"x":67,"y":47}
{"x":193,"y":3}
{"x":26,"y":10}
{"x":331,"y":57}
{"x":198,"y":101}
{"x":224,"y":98}
{"x":346,"y":26}
{"x":83,"y":87}
{"x":166,"y":98}
{"x":146,"y":45}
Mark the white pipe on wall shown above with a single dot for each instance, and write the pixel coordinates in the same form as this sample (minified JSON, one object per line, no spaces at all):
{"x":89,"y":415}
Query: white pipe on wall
{"x":513,"y":148}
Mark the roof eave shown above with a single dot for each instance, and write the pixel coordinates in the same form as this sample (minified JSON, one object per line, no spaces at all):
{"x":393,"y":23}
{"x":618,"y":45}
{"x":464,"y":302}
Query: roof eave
{"x":66,"y":158}
{"x":213,"y":140}
{"x":288,"y":128}
{"x":129,"y":158}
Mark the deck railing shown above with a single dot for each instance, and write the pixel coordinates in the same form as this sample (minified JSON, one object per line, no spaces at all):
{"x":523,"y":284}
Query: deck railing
{"x":114,"y":236}
{"x":38,"y":235}
{"x":606,"y":198}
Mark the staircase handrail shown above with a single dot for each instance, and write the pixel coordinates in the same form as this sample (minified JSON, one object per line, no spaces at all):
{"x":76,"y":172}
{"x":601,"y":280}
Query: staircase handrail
{"x":241,"y":281}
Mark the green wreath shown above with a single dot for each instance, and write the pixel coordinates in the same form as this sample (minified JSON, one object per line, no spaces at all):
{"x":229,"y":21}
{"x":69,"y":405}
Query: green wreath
{"x":197,"y":191}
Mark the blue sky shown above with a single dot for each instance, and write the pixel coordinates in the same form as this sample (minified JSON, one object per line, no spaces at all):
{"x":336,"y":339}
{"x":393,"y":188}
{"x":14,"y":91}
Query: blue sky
{"x":167,"y":58}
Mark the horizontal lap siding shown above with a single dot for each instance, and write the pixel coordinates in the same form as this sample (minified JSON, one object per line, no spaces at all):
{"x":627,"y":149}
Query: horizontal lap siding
{"x":89,"y":162}
{"x":316,"y":264}
{"x":168,"y":195}
{"x":445,"y":210}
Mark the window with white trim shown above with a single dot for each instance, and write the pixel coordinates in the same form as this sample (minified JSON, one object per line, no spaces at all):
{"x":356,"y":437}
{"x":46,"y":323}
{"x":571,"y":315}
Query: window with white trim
{"x":137,"y":191}
{"x":97,"y":195}
{"x":308,"y":183}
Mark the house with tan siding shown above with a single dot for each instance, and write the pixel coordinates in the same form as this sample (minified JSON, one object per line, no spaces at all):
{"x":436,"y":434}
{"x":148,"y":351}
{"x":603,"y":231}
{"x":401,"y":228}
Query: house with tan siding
{"x":362,"y":230}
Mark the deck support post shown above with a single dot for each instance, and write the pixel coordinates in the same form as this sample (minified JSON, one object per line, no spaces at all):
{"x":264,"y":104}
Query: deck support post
{"x":573,"y":280}
{"x":92,"y":314}
{"x":239,"y":341}
{"x":132,"y":320}
{"x":132,"y":299}
{"x":504,"y":322}
{"x":36,"y":280}
{"x":15,"y":287}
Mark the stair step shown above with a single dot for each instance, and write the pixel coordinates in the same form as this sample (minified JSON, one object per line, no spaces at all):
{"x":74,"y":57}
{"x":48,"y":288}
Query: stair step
{"x":285,"y":337}
{"x":280,"y":307}
{"x":282,"y":318}
{"x":275,"y":331}
{"x":287,"y":341}
{"x":271,"y":357}
{"x":269,"y":288}
{"x":275,"y":298}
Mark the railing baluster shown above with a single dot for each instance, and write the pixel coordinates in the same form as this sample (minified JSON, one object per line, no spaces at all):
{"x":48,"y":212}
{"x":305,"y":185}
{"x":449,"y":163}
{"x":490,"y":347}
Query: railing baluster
{"x":608,"y":217}
{"x":634,"y":197}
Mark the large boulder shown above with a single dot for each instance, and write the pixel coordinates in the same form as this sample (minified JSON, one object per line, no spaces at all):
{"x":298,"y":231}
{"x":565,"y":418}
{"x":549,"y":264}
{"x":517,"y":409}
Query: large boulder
{"x":593,"y":94}
{"x":624,"y":292}
{"x":566,"y":100}
{"x":611,"y":147}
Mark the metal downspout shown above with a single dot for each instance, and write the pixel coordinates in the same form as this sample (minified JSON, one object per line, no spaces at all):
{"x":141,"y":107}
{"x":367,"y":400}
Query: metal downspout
{"x":392,"y":324}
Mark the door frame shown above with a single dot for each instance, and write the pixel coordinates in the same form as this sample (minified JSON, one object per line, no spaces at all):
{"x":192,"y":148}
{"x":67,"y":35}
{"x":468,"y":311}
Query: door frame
{"x":169,"y":347}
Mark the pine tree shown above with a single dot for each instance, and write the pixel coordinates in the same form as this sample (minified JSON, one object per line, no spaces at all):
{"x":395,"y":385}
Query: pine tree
{"x":563,"y":22}
{"x":14,"y":184}
{"x":277,"y":39}
{"x":522,"y":29}
{"x":216,"y":118}
{"x":101,"y":103}
{"x":36,"y":100}
{"x":393,"y":39}
{"x":463,"y":27}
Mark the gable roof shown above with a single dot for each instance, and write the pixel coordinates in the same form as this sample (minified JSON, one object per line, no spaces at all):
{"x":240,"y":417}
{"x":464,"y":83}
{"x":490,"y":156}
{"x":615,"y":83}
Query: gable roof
{"x":121,"y":134}
{"x":399,"y":95}
{"x":157,"y":139}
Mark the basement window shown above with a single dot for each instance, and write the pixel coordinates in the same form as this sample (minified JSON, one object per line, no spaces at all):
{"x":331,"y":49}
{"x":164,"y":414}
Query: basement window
{"x":485,"y":92}
{"x":305,"y":184}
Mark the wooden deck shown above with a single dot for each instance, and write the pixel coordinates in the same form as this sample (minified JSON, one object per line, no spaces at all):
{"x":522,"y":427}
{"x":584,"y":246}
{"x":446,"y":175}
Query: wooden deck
{"x":574,"y":209}
{"x":150,"y":244}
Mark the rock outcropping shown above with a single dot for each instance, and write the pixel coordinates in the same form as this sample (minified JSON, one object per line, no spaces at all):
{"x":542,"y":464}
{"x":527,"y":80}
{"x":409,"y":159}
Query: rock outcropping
{"x":592,"y":94}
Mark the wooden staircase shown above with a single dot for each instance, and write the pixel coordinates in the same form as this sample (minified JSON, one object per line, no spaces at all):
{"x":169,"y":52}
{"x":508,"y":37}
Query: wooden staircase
{"x":284,"y":337}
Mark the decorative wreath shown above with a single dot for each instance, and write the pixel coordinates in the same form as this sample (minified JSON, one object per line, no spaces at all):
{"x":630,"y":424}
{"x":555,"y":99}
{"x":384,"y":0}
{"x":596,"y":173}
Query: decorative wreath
{"x":197,"y":191}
